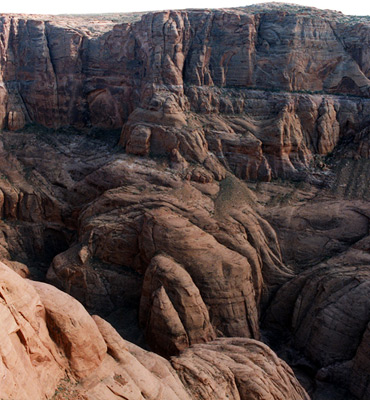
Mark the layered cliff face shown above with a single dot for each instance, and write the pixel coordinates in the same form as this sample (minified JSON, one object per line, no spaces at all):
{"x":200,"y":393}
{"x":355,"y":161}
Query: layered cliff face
{"x":138,"y":205}
{"x":163,"y":76}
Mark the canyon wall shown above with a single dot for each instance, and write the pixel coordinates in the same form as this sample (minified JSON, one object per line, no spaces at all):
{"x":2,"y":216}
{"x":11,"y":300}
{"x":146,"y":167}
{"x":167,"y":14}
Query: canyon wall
{"x":196,"y":86}
{"x":127,"y":143}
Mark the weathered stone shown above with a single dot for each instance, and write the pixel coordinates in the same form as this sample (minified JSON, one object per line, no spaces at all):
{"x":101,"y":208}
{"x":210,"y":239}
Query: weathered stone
{"x":224,"y":369}
{"x":48,"y":340}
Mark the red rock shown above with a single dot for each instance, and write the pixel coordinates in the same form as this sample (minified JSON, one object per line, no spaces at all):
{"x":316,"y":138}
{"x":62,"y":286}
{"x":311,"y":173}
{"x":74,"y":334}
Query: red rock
{"x":199,"y":95}
{"x":312,"y":232}
{"x":31,"y":364}
{"x":72,"y":329}
{"x":109,"y":74}
{"x":326,"y":308}
{"x":16,"y":120}
{"x":226,"y":265}
{"x":170,"y":297}
{"x":223,"y":369}
{"x":48,"y":339}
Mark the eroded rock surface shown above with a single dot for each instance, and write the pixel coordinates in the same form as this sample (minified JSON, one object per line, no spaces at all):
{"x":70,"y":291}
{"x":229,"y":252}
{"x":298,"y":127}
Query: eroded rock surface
{"x":140,"y":213}
{"x":130,"y":211}
{"x":162,"y":241}
{"x":327,"y":312}
{"x":187,"y":84}
{"x":313,"y":232}
{"x":52,"y":348}
{"x":219,"y":363}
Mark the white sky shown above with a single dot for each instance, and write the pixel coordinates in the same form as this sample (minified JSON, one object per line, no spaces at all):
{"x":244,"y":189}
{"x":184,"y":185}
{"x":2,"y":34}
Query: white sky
{"x":354,"y":7}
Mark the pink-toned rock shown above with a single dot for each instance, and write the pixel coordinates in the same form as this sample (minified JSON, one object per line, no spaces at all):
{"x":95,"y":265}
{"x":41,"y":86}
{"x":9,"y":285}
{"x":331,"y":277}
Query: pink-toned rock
{"x":72,"y":329}
{"x":135,"y":372}
{"x":138,"y":143}
{"x":172,"y":309}
{"x":31,"y":364}
{"x":215,"y":269}
{"x":223,"y":276}
{"x":94,"y":71}
{"x":166,"y":332}
{"x":48,"y":340}
{"x":237,"y":369}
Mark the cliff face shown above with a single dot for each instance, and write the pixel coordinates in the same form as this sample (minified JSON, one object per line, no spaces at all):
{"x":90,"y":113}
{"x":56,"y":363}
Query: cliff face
{"x":180,"y":82}
{"x":138,"y":206}
{"x":74,"y":65}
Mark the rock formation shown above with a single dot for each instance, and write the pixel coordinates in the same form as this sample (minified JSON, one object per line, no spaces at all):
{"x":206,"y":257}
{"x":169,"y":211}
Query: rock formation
{"x":199,"y":178}
{"x":52,"y":348}
{"x":326,"y":308}
{"x":311,"y":233}
{"x":165,"y":75}
{"x":165,"y":244}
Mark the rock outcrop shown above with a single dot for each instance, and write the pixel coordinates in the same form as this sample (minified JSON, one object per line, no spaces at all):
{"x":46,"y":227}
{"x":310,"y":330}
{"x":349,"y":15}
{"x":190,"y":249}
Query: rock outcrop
{"x":197,"y":275}
{"x":131,"y":211}
{"x":314,"y":232}
{"x":326,"y":309}
{"x":187,"y":84}
{"x":126,"y":146}
{"x":52,"y":348}
{"x":323,"y":313}
{"x":218,"y":363}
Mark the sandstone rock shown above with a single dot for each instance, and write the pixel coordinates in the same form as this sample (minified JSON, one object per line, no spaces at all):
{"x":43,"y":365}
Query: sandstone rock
{"x":328,"y":128}
{"x":359,"y":377}
{"x":132,"y":234}
{"x":48,"y":338}
{"x":243,"y":154}
{"x":211,"y":265}
{"x":16,"y":120}
{"x":31,"y":364}
{"x":362,"y":140}
{"x":259,"y":92}
{"x":170,"y":297}
{"x":141,"y":375}
{"x":138,"y":142}
{"x":19,"y":268}
{"x":72,"y":329}
{"x":326,"y":309}
{"x":109,"y":74}
{"x":40,"y":344}
{"x":316,"y":231}
{"x":224,"y":369}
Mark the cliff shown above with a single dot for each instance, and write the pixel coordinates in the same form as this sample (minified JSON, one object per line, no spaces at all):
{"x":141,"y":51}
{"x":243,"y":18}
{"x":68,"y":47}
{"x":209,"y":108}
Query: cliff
{"x":196,"y":85}
{"x":198,"y":178}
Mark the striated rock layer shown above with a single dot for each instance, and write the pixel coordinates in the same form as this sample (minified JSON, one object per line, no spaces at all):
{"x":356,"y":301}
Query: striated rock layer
{"x":327,"y":310}
{"x":197,"y":275}
{"x":185,"y":84}
{"x":194,"y":260}
{"x":323,"y":313}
